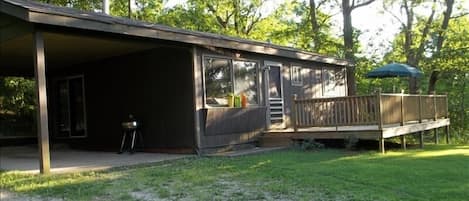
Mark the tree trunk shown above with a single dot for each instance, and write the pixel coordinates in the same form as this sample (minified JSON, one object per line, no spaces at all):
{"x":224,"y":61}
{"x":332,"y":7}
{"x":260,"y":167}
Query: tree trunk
{"x":314,"y":26}
{"x":444,"y":25}
{"x":439,"y":44}
{"x":432,"y":82}
{"x":408,"y":40}
{"x":348,"y":46}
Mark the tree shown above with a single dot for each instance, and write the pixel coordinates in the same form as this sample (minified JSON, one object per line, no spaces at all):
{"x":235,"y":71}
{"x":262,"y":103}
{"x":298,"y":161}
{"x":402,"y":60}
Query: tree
{"x":89,"y":5}
{"x":418,"y":40}
{"x":439,"y":43}
{"x":347,"y":7}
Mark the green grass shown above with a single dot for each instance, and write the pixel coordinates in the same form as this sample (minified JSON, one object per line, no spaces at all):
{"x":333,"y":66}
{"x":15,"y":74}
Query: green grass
{"x":436,"y":173}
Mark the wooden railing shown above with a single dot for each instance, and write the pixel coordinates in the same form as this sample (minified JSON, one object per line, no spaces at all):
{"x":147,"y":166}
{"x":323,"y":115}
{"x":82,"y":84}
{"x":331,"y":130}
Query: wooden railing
{"x":379,"y":109}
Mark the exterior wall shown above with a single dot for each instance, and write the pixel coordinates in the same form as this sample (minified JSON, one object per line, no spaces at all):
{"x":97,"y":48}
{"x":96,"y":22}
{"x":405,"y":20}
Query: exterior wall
{"x":155,"y":86}
{"x":222,"y":127}
{"x":316,"y":83}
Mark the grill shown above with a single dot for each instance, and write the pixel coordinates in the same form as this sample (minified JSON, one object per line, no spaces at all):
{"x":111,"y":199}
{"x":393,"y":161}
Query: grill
{"x":131,"y":129}
{"x":129,"y":125}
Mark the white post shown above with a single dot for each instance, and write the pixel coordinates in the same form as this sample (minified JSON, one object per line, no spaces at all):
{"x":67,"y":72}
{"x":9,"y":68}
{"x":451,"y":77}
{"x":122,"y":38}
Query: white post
{"x":106,"y":7}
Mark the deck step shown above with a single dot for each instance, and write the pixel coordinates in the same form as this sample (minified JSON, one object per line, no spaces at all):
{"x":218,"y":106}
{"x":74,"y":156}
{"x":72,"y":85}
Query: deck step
{"x":274,"y":141}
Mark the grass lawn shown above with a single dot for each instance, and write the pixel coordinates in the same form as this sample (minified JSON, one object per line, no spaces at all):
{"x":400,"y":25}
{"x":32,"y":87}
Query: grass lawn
{"x":440,"y":172}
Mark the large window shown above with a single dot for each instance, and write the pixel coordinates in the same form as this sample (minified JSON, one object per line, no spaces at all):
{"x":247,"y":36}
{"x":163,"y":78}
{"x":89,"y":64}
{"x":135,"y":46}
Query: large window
{"x":224,"y":77}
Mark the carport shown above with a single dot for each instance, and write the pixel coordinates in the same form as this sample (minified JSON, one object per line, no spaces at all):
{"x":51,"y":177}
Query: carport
{"x":104,"y":76}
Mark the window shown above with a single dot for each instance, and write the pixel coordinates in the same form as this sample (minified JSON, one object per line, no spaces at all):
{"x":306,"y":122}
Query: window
{"x":333,"y":82}
{"x":296,"y":76}
{"x":218,"y":84}
{"x":224,"y":77}
{"x":245,"y":75}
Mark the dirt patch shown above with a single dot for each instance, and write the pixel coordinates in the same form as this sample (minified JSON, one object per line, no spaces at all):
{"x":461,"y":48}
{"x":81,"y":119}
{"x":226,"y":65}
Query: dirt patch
{"x":9,"y":196}
{"x":145,"y":196}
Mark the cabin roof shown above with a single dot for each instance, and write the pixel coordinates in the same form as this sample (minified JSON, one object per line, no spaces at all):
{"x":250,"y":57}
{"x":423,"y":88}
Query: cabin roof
{"x":41,"y":13}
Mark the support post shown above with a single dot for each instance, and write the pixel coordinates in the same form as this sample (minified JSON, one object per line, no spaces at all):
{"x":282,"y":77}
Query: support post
{"x":294,"y":112}
{"x":41,"y":97}
{"x":403,"y":142}
{"x":381,"y":145}
{"x":436,"y":135}
{"x":198,"y":100}
{"x":447,"y":134}
{"x":421,"y":139}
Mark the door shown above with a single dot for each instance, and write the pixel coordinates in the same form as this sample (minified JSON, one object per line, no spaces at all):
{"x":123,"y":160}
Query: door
{"x":275,"y":95}
{"x":70,"y":116}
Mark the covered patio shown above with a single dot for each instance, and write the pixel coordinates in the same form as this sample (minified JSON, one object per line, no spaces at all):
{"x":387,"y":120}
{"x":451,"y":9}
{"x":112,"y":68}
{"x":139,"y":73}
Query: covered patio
{"x":64,"y":159}
{"x":87,"y":83}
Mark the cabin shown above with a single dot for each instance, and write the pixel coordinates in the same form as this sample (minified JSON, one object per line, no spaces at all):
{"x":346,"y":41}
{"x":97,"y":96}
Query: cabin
{"x":185,"y":87}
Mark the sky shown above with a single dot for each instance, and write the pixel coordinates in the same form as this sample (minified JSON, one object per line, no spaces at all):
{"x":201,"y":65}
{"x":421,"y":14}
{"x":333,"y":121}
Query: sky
{"x":378,"y":27}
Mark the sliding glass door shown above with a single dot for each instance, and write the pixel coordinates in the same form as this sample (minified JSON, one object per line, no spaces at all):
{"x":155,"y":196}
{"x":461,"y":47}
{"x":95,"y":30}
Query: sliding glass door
{"x":70,"y":116}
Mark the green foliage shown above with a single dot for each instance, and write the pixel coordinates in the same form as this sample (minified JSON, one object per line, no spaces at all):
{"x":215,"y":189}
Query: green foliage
{"x":17,"y":106}
{"x":89,"y":5}
{"x":17,"y":96}
{"x":351,"y":142}
{"x":307,"y":145}
{"x":436,"y":173}
{"x":452,"y":61}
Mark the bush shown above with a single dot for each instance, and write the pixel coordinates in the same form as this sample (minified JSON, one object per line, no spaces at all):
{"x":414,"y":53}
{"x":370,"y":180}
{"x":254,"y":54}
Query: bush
{"x":351,"y":142}
{"x":308,"y":145}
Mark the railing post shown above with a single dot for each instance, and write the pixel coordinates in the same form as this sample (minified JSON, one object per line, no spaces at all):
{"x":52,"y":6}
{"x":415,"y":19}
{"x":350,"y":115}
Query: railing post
{"x":435,"y":117}
{"x":446,"y":116}
{"x":336,"y":114}
{"x":446,"y":106}
{"x":420,"y":119}
{"x":294,"y":112}
{"x":402,"y":108}
{"x":379,"y":110}
{"x":380,"y":121}
{"x":420,"y":106}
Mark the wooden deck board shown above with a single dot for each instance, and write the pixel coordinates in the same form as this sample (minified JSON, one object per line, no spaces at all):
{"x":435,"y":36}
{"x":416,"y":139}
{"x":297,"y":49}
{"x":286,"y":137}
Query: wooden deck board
{"x":412,"y":128}
{"x":361,"y":132}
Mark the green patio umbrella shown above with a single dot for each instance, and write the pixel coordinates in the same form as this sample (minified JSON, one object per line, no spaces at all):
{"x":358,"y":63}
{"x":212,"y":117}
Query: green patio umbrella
{"x":394,"y":70}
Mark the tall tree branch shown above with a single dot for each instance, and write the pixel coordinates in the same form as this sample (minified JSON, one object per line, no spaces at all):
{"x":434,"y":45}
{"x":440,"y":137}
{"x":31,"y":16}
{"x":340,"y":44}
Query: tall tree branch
{"x":444,"y":25}
{"x":361,"y":4}
{"x":423,"y":37}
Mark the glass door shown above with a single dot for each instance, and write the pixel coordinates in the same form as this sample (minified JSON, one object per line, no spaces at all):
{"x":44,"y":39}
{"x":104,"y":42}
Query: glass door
{"x":70,"y":117}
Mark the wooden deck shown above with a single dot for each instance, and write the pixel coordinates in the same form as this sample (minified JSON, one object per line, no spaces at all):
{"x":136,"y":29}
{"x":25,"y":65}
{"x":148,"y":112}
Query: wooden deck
{"x":363,"y":117}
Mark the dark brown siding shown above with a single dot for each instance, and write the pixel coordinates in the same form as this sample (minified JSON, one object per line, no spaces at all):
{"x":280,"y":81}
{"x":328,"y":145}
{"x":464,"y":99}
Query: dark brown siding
{"x":226,"y":126}
{"x":155,"y":86}
{"x":312,"y":76}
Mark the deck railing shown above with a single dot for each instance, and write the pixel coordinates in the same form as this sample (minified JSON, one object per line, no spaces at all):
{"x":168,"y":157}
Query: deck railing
{"x":379,"y":109}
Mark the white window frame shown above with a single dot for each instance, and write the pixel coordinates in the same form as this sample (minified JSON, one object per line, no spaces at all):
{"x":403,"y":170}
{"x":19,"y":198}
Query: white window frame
{"x":296,"y":75}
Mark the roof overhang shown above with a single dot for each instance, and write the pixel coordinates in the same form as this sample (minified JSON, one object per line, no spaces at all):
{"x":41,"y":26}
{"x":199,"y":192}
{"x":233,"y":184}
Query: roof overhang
{"x":66,"y":17}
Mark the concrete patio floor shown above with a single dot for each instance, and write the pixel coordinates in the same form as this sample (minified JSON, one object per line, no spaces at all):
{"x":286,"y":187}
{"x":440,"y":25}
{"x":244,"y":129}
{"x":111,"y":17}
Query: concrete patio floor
{"x":25,"y":159}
